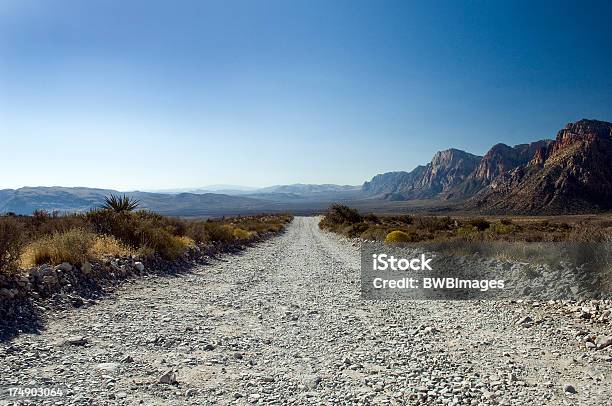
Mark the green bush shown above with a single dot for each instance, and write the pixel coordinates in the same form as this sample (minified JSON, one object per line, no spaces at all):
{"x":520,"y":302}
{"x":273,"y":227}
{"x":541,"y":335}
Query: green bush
{"x":340,"y":214}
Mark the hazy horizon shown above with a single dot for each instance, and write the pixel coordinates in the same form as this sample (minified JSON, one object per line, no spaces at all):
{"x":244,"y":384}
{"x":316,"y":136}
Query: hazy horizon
{"x":153,"y":95}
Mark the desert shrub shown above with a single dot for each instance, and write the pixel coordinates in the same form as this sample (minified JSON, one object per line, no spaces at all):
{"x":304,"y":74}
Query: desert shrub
{"x":73,"y":246}
{"x":402,"y":220}
{"x":433,"y":224}
{"x":374,"y":234}
{"x":586,"y":232}
{"x":242,"y":234}
{"x":354,"y":230}
{"x":145,"y":252}
{"x":505,"y":222}
{"x":162,"y":241}
{"x":480,"y":224}
{"x":340,"y":214}
{"x":398,"y":236}
{"x":220,"y":232}
{"x":198,"y":231}
{"x":10,"y":242}
{"x":108,"y":246}
{"x":121,"y":225}
{"x":503,"y":227}
{"x":564,"y":226}
{"x":43,"y":223}
{"x":371,"y":218}
{"x":173,"y":224}
{"x":467,"y":231}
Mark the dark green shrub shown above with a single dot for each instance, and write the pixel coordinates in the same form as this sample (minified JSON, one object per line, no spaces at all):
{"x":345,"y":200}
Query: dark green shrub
{"x":433,"y":224}
{"x":480,"y":224}
{"x":355,"y":230}
{"x":10,"y":242}
{"x":340,"y":214}
{"x":371,"y":218}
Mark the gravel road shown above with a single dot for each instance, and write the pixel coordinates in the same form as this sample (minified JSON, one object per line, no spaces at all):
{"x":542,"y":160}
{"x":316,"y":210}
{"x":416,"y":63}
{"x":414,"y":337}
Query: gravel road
{"x":283,"y":323}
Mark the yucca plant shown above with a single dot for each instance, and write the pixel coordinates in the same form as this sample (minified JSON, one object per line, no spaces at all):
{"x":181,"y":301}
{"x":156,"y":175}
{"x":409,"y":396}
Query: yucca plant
{"x":120,"y":204}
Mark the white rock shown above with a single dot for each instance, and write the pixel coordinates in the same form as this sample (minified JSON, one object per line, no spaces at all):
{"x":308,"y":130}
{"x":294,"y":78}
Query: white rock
{"x":76,"y":340}
{"x":108,"y":366}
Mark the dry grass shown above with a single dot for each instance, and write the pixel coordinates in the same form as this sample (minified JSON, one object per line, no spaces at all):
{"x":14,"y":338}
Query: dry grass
{"x":74,"y":246}
{"x":107,"y":246}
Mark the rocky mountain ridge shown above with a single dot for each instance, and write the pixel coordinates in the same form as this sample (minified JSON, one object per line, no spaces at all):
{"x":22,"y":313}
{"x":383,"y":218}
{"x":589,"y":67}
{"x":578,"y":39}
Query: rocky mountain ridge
{"x":446,"y":171}
{"x":572,"y":174}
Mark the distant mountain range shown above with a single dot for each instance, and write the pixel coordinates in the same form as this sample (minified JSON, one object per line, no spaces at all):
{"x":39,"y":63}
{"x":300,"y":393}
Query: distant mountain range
{"x":571,"y":174}
{"x":299,"y":198}
{"x":64,"y":199}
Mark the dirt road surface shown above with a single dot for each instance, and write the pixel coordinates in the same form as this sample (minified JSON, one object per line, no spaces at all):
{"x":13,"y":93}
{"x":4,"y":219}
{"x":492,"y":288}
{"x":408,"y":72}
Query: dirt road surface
{"x":283,"y":323}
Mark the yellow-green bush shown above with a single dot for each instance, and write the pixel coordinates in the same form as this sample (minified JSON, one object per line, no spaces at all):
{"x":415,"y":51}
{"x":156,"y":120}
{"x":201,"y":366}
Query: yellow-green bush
{"x":398,"y":236}
{"x":504,"y":227}
{"x":241,"y":234}
{"x":162,"y":241}
{"x":467,"y":231}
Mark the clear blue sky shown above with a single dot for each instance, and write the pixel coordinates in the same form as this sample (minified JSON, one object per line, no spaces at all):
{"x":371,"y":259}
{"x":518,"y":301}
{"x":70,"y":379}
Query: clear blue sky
{"x":145,"y":94}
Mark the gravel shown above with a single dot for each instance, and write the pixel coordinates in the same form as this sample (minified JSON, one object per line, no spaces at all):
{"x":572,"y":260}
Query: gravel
{"x":283,"y":323}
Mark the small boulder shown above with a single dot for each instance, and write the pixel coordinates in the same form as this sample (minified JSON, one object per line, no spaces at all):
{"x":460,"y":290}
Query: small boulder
{"x":127,"y":359}
{"x":6,"y":293}
{"x":64,"y":267}
{"x":567,"y":388}
{"x":603,"y":341}
{"x":139,"y":266}
{"x":168,"y":378}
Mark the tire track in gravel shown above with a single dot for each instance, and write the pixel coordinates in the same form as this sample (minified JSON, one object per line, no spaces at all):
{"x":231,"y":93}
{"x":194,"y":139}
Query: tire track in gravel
{"x":283,"y":323}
